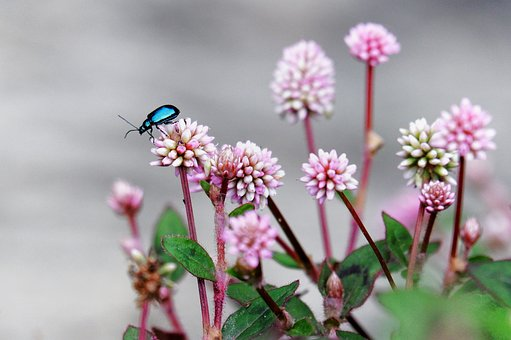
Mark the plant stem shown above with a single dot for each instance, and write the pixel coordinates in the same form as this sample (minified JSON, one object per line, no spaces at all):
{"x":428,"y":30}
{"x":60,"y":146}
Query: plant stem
{"x":193,"y":235}
{"x":168,"y":306}
{"x":279,"y":312}
{"x":310,"y":268}
{"x":429,"y":229}
{"x":321,"y":207}
{"x":143,"y":320}
{"x":415,"y":247}
{"x":220,"y":286}
{"x":368,"y":157}
{"x":357,"y":327}
{"x":133,"y":226}
{"x":288,"y":250}
{"x":369,"y":239}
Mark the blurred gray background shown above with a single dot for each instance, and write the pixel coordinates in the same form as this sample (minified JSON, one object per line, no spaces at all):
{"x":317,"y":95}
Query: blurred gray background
{"x":69,"y":67}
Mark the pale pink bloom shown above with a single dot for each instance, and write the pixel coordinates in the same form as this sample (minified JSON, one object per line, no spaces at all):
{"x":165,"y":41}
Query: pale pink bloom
{"x":470,"y":232}
{"x":327,"y":173}
{"x":436,"y":196}
{"x":125,"y":199}
{"x":371,"y":43}
{"x":257,"y":175}
{"x":464,"y":130}
{"x":303,"y":82}
{"x":226,"y":164}
{"x":184,"y":144}
{"x":250,"y":236}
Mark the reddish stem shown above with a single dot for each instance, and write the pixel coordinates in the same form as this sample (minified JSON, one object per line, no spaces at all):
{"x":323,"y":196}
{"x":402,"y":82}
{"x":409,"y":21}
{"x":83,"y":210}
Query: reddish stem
{"x":309,"y":135}
{"x":429,"y":230}
{"x":459,"y":208}
{"x":368,"y":158}
{"x":415,"y":247}
{"x":168,"y":306}
{"x":133,"y":226}
{"x":193,"y":235}
{"x":220,"y":286}
{"x":288,"y":249}
{"x":143,"y":320}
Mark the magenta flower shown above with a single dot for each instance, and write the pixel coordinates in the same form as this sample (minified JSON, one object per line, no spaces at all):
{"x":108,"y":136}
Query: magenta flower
{"x":371,"y":43}
{"x":250,"y":236}
{"x":464,"y":130}
{"x":257,"y":175}
{"x":185,"y":144}
{"x":436,"y":196}
{"x":326,"y":173}
{"x":303,"y":83}
{"x":125,"y":199}
{"x":226,"y":164}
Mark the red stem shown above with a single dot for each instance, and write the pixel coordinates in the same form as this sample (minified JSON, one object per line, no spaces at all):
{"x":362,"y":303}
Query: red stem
{"x":168,"y":306}
{"x":415,"y":247}
{"x":309,"y":134}
{"x":193,"y":235}
{"x":368,"y":158}
{"x":220,"y":286}
{"x":143,"y":320}
{"x":459,"y":208}
{"x":288,"y":249}
{"x":133,"y":226}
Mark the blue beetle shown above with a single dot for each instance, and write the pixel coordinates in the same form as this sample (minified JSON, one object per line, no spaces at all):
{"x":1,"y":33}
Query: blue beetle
{"x":163,"y":115}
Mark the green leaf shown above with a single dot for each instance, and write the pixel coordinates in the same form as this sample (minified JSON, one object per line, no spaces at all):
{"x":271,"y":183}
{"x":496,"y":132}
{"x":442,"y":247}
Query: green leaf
{"x":433,"y":247}
{"x":479,"y":259}
{"x":285,"y":260}
{"x":242,"y":292}
{"x":169,"y":223}
{"x":398,"y":238}
{"x":349,"y":336}
{"x":493,"y":278}
{"x":191,"y":255}
{"x":302,"y":314}
{"x":303,"y":327}
{"x":205,"y":186}
{"x":323,"y":277}
{"x":249,"y":322}
{"x":131,"y":333}
{"x":241,"y":209}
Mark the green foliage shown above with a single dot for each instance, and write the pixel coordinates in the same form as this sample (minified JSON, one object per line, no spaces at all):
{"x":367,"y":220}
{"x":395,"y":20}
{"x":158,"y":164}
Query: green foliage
{"x":398,"y":238}
{"x":132,"y":332}
{"x":169,"y":223}
{"x":323,"y":277}
{"x":191,"y":256}
{"x":349,"y":336}
{"x":241,"y":209}
{"x":493,"y":278}
{"x":285,"y":260}
{"x":205,"y":186}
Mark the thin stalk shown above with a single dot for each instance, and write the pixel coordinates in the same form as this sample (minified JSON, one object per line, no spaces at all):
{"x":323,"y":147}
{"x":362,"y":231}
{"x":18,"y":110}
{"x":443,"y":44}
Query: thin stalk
{"x":429,"y":229}
{"x":321,"y":207}
{"x":143,"y":320}
{"x":133,"y":226}
{"x":274,"y":307}
{"x":193,"y":235}
{"x":357,"y":327}
{"x":415,"y":247}
{"x":310,"y":268}
{"x":288,"y":249}
{"x":459,"y":208}
{"x":368,"y":157}
{"x":220,"y":286}
{"x":368,"y":238}
{"x":168,"y":306}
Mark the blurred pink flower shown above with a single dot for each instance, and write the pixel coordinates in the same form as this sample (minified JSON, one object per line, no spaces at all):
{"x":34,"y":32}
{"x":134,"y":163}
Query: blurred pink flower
{"x":436,"y":196}
{"x":128,"y":245}
{"x":257,"y":175}
{"x":125,"y":198}
{"x":470,"y":232}
{"x":464,"y":130}
{"x":250,"y":236}
{"x":327,"y":173}
{"x":303,"y":83}
{"x":185,"y":144}
{"x":371,"y":43}
{"x":403,"y":206}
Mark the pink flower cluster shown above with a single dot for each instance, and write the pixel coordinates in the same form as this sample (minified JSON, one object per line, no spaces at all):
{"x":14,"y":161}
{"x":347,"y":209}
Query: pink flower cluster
{"x":250,"y":236}
{"x":303,"y":83}
{"x":371,"y":43}
{"x":125,"y":199}
{"x":327,"y":173}
{"x":436,"y":196}
{"x":464,"y":130}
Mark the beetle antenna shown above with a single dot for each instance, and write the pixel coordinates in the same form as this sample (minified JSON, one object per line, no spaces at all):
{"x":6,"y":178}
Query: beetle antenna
{"x":127,"y":122}
{"x":129,"y":132}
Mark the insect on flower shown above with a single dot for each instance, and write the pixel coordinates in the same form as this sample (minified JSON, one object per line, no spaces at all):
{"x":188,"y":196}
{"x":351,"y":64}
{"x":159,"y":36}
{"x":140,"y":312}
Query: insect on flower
{"x":163,"y":115}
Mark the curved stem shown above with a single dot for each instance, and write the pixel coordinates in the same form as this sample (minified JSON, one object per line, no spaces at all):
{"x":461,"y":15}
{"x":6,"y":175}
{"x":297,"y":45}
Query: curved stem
{"x":143,"y":320}
{"x":193,"y":235}
{"x":369,"y":239}
{"x":368,"y":157}
{"x":415,"y":247}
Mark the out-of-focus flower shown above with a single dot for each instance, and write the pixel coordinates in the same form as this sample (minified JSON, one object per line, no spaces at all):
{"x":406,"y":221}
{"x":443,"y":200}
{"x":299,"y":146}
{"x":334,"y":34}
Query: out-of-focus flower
{"x":470,"y":232}
{"x":464,"y":130}
{"x":184,"y":144}
{"x":371,"y":43}
{"x":403,"y":206}
{"x":436,"y":196}
{"x":327,"y":173}
{"x":250,"y":236}
{"x":147,"y":280}
{"x":130,"y":244}
{"x":424,"y":158}
{"x":257,"y":175}
{"x":303,"y":83}
{"x":125,"y":199}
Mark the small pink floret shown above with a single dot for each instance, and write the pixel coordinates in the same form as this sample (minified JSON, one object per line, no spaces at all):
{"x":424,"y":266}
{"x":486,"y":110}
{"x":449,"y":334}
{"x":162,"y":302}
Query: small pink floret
{"x":371,"y":43}
{"x":125,"y":198}
{"x":436,"y":196}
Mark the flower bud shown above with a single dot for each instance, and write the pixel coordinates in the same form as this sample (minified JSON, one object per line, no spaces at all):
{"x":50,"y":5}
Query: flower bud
{"x":332,"y":303}
{"x":470,"y":233}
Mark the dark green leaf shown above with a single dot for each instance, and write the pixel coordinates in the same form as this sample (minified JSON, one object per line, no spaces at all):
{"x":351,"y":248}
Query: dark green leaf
{"x":169,"y":223}
{"x":479,"y":259}
{"x":242,"y":292}
{"x":398,"y":238}
{"x":131,"y":333}
{"x":303,"y":327}
{"x":349,"y":336}
{"x":241,"y":209}
{"x":493,"y":278}
{"x":300,"y":311}
{"x":323,"y":277}
{"x":205,"y":186}
{"x":190,"y":255}
{"x":249,"y":322}
{"x":285,"y":260}
{"x":433,"y":247}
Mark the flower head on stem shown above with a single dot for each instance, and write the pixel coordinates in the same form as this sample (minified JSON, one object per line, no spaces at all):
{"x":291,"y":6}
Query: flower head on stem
{"x":436,"y":196}
{"x":303,"y":83}
{"x":371,"y":43}
{"x":470,"y":233}
{"x":125,"y":199}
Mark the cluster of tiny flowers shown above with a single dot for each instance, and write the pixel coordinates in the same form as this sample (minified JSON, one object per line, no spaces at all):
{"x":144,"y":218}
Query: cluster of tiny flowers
{"x":371,"y":43}
{"x":424,"y":158}
{"x":226,"y":164}
{"x":184,"y":144}
{"x":125,"y":198}
{"x":327,"y":173}
{"x":250,"y":236}
{"x":464,"y":130}
{"x":303,"y":82}
{"x":256,"y":175}
{"x":436,"y":196}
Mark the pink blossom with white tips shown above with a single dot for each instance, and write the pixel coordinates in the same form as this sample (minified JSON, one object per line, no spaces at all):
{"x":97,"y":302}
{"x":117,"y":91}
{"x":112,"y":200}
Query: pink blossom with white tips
{"x":371,"y":43}
{"x":125,"y":199}
{"x":327,"y":173}
{"x":436,"y":196}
